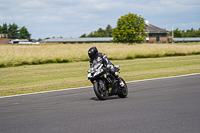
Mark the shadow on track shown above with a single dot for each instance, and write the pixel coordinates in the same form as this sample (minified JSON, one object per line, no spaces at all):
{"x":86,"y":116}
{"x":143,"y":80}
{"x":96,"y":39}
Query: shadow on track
{"x":109,"y":98}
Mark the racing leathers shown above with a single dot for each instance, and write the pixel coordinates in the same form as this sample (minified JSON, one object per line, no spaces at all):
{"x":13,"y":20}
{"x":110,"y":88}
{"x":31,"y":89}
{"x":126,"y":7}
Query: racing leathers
{"x":103,"y":59}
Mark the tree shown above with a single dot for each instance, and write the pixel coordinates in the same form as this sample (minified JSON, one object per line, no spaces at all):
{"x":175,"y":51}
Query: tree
{"x":24,"y":34}
{"x":185,"y":33}
{"x":13,"y":31}
{"x":177,"y":33}
{"x":198,"y":33}
{"x":0,"y":30}
{"x":39,"y":39}
{"x":109,"y":30}
{"x":4,"y":29}
{"x":83,"y":36}
{"x":130,"y":29}
{"x":99,"y":33}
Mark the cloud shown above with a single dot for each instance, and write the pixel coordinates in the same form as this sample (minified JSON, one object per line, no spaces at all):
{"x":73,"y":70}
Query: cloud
{"x":72,"y":18}
{"x":34,"y":4}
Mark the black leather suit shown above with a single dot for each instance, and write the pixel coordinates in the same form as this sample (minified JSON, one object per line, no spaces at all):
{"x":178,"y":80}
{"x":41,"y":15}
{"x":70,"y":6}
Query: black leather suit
{"x":103,"y":59}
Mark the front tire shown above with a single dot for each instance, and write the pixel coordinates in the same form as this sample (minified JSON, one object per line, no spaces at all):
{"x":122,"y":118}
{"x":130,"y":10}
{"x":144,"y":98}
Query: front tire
{"x":101,"y":93}
{"x":123,"y":92}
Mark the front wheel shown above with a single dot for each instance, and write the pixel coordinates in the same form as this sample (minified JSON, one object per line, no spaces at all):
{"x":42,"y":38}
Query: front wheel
{"x":100,"y":90}
{"x":123,"y":92}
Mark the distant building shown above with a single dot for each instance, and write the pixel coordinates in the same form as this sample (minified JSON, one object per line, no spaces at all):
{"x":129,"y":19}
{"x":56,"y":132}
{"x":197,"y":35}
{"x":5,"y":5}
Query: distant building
{"x":78,"y":40}
{"x":3,"y":38}
{"x":156,"y":34}
{"x":186,"y":39}
{"x":22,"y":41}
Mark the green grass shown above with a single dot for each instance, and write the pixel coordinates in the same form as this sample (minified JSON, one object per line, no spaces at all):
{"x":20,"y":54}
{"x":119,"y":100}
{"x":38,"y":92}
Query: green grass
{"x":18,"y":55}
{"x":37,"y":78}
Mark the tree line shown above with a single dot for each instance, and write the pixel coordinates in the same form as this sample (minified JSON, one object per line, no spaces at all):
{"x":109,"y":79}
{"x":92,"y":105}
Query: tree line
{"x":177,"y":33}
{"x":185,"y":33}
{"x":100,"y":33}
{"x":130,"y":29}
{"x":14,"y":32}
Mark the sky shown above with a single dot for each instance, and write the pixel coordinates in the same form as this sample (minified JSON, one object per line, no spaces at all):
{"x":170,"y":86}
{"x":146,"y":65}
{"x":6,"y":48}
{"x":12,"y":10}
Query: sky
{"x":73,"y":18}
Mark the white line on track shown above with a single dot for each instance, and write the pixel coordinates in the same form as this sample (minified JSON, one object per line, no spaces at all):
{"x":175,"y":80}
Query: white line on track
{"x":91,"y":86}
{"x":164,"y":78}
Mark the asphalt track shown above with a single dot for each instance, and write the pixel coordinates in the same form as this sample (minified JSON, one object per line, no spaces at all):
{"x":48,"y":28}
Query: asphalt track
{"x":167,"y":105}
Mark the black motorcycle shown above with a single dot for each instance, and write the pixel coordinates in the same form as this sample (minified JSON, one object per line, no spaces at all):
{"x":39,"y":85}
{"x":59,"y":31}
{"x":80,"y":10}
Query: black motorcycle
{"x":105,"y":84}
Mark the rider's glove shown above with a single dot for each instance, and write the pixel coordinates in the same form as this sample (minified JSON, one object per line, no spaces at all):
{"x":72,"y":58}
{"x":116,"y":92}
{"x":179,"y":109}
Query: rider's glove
{"x":91,"y":70}
{"x":108,"y":66}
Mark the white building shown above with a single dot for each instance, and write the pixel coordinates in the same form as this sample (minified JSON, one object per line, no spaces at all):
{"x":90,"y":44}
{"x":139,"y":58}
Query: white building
{"x":22,"y":41}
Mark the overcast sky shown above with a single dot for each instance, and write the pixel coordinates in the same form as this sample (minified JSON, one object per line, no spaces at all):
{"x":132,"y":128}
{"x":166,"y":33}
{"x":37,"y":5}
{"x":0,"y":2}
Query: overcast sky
{"x":72,"y":18}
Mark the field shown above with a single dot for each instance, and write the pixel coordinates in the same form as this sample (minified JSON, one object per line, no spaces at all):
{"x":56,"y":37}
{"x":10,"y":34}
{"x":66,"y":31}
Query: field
{"x":54,"y":76}
{"x":32,"y":54}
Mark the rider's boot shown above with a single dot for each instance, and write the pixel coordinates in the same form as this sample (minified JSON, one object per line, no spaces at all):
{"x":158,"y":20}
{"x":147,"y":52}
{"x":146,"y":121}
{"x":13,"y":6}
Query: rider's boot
{"x":121,"y":83}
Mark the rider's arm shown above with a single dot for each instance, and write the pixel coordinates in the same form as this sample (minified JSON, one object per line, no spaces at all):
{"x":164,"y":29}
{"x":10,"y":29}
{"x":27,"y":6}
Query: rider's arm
{"x":90,"y":65}
{"x":106,"y":60}
{"x":91,"y":68}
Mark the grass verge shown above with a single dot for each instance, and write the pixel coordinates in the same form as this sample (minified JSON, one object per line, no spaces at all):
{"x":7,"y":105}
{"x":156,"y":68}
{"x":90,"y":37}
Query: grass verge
{"x":37,"y":78}
{"x":18,"y":55}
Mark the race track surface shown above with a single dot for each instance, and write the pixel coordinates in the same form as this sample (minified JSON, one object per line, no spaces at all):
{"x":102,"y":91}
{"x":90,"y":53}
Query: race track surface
{"x":168,"y":105}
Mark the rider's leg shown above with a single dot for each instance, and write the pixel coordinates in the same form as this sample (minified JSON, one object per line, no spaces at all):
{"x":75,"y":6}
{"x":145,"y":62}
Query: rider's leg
{"x":113,"y":72}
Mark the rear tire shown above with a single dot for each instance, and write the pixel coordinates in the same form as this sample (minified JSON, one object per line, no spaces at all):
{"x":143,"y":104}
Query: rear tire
{"x":101,"y":93}
{"x":123,"y":92}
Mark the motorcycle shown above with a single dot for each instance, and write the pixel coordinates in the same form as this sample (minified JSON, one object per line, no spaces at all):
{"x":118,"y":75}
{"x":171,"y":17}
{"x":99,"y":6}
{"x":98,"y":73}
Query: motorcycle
{"x":105,"y":84}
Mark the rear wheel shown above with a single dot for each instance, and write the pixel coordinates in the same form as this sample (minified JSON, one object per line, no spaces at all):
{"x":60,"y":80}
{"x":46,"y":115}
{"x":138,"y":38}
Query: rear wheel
{"x":100,"y":92}
{"x":123,"y":92}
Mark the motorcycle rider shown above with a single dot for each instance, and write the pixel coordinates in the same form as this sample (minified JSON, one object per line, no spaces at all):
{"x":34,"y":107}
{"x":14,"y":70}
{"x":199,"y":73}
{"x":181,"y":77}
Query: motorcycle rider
{"x":97,"y":57}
